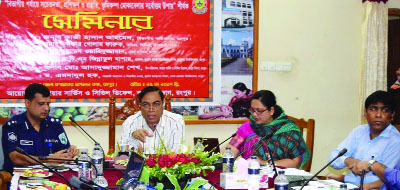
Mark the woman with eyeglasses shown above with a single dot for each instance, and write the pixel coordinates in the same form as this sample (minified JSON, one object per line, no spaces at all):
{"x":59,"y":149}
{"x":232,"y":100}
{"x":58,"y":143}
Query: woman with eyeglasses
{"x":281,"y":135}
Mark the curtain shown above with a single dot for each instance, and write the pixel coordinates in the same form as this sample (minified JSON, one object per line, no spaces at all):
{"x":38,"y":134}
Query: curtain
{"x":374,"y":41}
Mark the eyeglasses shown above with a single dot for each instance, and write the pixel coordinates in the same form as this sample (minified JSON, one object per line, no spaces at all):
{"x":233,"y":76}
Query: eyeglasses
{"x":147,"y":106}
{"x":257,"y":111}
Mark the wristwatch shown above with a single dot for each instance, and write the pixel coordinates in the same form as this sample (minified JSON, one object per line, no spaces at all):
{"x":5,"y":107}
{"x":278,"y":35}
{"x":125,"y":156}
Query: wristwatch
{"x":370,"y":164}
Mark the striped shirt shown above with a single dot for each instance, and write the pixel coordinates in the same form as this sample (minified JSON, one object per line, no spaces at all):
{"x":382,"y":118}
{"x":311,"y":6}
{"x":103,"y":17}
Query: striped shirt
{"x":171,"y":129}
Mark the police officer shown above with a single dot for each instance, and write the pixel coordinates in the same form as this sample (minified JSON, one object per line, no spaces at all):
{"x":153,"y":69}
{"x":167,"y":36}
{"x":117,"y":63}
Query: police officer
{"x":34,"y":131}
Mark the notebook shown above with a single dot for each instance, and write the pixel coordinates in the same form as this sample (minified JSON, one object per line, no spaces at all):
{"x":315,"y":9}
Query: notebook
{"x":210,"y":142}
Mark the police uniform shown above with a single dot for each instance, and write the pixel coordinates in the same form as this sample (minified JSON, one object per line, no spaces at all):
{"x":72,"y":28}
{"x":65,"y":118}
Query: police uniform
{"x":19,"y":132}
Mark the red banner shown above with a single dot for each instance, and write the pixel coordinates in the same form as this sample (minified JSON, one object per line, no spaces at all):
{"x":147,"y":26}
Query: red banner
{"x":92,"y":49}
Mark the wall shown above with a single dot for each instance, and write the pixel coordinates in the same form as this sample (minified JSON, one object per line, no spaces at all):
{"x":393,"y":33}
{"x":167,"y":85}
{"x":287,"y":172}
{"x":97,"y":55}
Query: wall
{"x":323,"y":41}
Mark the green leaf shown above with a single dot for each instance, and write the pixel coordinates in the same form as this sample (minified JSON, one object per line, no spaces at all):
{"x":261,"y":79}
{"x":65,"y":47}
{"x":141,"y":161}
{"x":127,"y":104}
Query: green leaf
{"x":174,"y":181}
{"x":119,"y":181}
{"x":159,"y":186}
{"x":145,"y":176}
{"x":196,"y":184}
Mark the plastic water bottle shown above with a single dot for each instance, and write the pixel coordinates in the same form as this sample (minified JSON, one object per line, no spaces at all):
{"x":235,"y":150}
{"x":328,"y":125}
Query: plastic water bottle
{"x":84,"y":166}
{"x":227,"y":161}
{"x":141,"y":186}
{"x":281,"y":182}
{"x":97,"y":159}
{"x":129,"y":184}
{"x":101,"y":180}
{"x":199,"y":145}
{"x":253,"y":180}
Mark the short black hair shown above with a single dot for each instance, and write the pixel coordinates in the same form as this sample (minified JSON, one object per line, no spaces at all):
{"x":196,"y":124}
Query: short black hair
{"x":34,"y":88}
{"x":381,"y":97}
{"x":267,"y":98}
{"x":150,"y":89}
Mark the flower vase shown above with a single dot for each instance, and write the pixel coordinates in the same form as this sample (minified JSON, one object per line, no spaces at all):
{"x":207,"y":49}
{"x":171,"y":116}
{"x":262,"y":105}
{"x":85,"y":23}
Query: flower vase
{"x":168,"y":185}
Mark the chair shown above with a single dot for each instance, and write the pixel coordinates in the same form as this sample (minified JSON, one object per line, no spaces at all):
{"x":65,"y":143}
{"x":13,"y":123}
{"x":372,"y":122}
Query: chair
{"x":309,"y":126}
{"x":5,"y":177}
{"x":129,"y":108}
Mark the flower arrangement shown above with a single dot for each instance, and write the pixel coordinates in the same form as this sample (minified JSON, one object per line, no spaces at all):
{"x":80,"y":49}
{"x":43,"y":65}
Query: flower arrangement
{"x":177,"y":166}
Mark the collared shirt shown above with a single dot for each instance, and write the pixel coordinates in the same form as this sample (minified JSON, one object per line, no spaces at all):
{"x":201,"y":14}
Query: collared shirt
{"x":392,"y":178}
{"x":171,"y":129}
{"x":19,"y":132}
{"x":384,"y":148}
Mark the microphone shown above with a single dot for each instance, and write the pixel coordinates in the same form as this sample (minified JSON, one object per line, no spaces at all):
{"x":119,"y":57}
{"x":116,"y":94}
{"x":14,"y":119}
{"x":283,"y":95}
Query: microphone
{"x":22,"y":151}
{"x":341,"y":153}
{"x":233,"y":135}
{"x":162,"y":141}
{"x":258,"y":144}
{"x":95,"y":142}
{"x":362,"y":179}
{"x":77,"y":183}
{"x":72,"y":160}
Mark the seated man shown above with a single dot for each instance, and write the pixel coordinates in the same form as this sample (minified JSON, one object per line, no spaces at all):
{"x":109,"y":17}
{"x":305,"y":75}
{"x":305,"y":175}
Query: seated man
{"x":389,"y":176}
{"x":378,"y":140}
{"x":35,"y":132}
{"x":153,"y":128}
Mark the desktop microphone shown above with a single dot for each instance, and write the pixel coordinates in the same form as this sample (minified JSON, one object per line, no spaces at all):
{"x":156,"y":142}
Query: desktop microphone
{"x":72,"y":160}
{"x":341,"y":153}
{"x":258,"y":144}
{"x":362,"y":179}
{"x":77,"y":183}
{"x":22,"y":151}
{"x":233,"y":135}
{"x":95,"y":142}
{"x":159,"y":136}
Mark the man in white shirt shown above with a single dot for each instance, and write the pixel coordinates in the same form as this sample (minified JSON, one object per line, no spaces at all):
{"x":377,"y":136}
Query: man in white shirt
{"x":153,"y":128}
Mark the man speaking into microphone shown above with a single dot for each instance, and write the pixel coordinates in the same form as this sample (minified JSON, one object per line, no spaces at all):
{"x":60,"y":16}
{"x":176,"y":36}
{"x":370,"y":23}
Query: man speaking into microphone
{"x":378,"y":141}
{"x":35,"y":132}
{"x":153,"y":128}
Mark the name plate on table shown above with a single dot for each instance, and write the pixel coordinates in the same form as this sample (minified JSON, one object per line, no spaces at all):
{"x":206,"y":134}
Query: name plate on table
{"x":233,"y":181}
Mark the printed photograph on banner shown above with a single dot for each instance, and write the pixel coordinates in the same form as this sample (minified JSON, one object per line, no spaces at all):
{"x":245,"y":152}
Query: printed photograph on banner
{"x":236,"y":62}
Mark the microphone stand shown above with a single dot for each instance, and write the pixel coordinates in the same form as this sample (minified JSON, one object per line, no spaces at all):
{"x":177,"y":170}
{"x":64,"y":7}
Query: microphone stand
{"x":257,"y":143}
{"x":329,"y":163}
{"x":72,"y":160}
{"x":234,"y":134}
{"x":95,"y":142}
{"x":362,"y":179}
{"x":22,"y":151}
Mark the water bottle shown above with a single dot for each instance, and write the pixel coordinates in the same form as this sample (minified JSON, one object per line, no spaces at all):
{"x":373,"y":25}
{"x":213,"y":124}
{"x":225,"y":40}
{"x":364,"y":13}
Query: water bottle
{"x":227,"y":161}
{"x":281,"y":182}
{"x":343,"y":186}
{"x":101,"y":180}
{"x":97,"y":159}
{"x":253,"y":178}
{"x":84,"y":166}
{"x":129,"y":184}
{"x":141,"y":186}
{"x":199,"y":145}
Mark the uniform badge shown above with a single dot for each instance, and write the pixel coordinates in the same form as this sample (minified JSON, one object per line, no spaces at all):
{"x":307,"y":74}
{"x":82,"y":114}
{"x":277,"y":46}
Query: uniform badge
{"x":63,"y":138}
{"x":12,"y":137}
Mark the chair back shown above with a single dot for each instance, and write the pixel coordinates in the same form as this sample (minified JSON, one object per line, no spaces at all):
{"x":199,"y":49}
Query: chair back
{"x":129,"y":108}
{"x":2,"y":121}
{"x":307,"y":128}
{"x":5,"y":177}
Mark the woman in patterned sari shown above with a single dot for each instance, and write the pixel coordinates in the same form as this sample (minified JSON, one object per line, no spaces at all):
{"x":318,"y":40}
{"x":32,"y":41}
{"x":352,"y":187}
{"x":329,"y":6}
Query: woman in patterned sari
{"x":282,"y":136}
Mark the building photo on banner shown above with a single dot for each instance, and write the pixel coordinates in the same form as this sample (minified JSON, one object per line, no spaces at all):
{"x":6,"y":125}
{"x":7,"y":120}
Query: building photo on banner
{"x":85,"y":52}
